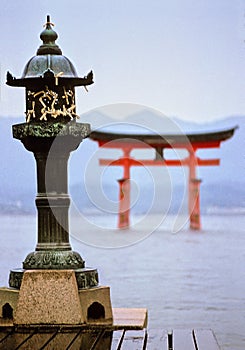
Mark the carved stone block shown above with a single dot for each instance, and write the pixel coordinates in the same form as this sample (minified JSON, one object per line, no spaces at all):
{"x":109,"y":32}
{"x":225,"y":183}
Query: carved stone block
{"x":52,"y":297}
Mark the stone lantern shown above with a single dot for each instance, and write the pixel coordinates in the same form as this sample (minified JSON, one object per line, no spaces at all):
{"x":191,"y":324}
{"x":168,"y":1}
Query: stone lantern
{"x":53,"y":286}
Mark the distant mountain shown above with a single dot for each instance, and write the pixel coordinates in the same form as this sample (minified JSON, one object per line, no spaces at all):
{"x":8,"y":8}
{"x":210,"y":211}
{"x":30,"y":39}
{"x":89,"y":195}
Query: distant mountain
{"x":96,"y":119}
{"x":222,"y":186}
{"x":153,"y":121}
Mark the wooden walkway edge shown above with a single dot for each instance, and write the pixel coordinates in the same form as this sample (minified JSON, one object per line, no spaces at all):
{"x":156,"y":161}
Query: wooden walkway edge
{"x":77,"y":338}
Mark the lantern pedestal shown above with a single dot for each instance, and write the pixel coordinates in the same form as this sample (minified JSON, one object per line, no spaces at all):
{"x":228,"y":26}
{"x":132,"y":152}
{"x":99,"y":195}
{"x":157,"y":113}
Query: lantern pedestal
{"x":57,"y":292}
{"x":51,"y":297}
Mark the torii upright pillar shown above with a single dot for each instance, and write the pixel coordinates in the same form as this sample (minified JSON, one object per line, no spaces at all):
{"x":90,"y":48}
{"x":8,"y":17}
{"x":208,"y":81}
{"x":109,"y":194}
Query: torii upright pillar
{"x":194,"y":193}
{"x":124,"y":192}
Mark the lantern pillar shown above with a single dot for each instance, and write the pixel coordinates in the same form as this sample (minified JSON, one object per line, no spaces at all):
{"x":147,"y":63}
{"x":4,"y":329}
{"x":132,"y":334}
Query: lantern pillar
{"x":51,"y":152}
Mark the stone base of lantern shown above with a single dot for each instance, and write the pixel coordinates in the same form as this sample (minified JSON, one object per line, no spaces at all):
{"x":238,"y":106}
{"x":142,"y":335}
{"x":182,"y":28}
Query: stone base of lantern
{"x":86,"y":277}
{"x":52,"y":297}
{"x":8,"y":304}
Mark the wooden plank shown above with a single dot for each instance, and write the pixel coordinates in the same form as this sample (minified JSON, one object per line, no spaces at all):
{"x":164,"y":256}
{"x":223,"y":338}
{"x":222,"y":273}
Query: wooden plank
{"x":106,"y":339}
{"x":129,"y":318}
{"x":61,"y":341}
{"x":157,"y":339}
{"x":117,"y":339}
{"x":51,"y":337}
{"x":103,"y":341}
{"x":72,"y":343}
{"x":5,"y":333}
{"x":183,"y":339}
{"x":205,"y":339}
{"x":134,"y":340}
{"x":91,"y":340}
{"x":36,"y":341}
{"x":98,"y":341}
{"x":15,"y":340}
{"x":84,"y":340}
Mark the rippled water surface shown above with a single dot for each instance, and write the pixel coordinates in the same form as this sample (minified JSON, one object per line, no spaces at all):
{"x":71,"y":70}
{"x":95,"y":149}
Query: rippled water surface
{"x":185,"y":279}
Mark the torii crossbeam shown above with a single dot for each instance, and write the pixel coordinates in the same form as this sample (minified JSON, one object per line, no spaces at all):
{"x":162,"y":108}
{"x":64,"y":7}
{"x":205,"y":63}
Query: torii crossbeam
{"x":189,"y":142}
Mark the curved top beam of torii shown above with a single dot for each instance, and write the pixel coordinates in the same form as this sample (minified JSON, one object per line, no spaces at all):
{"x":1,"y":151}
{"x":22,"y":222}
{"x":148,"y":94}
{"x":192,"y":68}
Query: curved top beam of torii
{"x":197,"y":140}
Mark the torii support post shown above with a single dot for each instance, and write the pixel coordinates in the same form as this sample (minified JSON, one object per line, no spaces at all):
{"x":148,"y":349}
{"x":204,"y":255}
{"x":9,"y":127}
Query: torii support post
{"x":124,"y":191}
{"x":124,"y":204}
{"x":193,"y":193}
{"x":195,"y":215}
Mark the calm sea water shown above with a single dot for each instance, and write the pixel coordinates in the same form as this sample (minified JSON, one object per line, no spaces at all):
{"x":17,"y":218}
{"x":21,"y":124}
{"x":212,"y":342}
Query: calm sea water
{"x":185,"y":279}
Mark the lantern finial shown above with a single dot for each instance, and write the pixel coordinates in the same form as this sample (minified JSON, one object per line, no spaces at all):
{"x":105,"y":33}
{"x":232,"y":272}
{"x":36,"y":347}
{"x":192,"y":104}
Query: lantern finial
{"x":48,"y":36}
{"x":48,"y":24}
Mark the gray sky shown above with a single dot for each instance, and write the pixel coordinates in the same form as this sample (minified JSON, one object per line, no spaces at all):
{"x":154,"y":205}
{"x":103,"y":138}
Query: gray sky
{"x":184,"y":58}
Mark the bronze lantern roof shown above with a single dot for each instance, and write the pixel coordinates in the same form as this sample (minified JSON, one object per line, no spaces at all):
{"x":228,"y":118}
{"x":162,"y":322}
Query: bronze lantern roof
{"x":49,"y":63}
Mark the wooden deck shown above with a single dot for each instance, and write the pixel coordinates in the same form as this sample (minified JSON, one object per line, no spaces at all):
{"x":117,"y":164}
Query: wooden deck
{"x":75,"y":338}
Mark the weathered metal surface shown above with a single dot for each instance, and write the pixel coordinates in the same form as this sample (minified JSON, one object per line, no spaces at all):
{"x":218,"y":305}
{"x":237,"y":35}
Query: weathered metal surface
{"x":51,"y":144}
{"x":47,"y":129}
{"x":48,"y":36}
{"x":51,"y":134}
{"x":50,"y":79}
{"x":86,"y":277}
{"x":49,"y":59}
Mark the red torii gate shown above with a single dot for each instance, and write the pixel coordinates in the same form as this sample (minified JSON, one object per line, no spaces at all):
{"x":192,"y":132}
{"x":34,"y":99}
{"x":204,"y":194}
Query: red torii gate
{"x":190,"y":142}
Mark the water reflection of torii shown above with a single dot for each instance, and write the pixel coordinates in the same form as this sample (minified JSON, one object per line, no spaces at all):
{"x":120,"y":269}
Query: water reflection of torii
{"x":190,"y":142}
